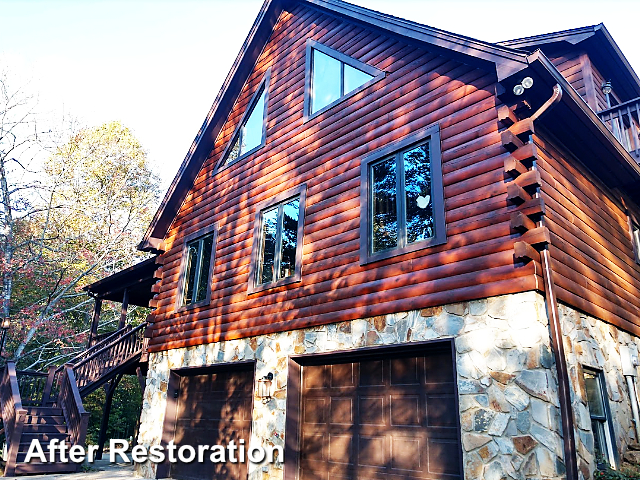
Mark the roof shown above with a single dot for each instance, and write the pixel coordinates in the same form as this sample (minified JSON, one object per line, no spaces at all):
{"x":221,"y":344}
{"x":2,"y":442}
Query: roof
{"x":137,"y":279}
{"x":506,"y":60}
{"x":602,"y":49}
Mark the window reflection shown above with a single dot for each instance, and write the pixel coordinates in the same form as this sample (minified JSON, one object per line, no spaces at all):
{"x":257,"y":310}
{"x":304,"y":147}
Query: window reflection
{"x":279,"y":242}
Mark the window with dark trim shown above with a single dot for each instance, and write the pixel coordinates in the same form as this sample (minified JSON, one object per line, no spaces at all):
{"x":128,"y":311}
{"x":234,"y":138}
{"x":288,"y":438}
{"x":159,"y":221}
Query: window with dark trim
{"x":251,"y":133}
{"x":601,"y":424}
{"x":276,"y":258}
{"x":635,"y":238}
{"x":402,"y":197}
{"x":332,"y":76}
{"x":197,"y":269}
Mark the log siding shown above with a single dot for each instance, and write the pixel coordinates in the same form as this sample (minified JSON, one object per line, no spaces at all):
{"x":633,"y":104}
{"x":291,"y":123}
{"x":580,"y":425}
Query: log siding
{"x":420,"y":89}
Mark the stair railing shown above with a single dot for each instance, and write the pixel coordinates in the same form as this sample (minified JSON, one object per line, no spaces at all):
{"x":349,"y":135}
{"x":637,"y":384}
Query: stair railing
{"x":13,"y":415}
{"x":93,"y":362}
{"x":31,"y":385}
{"x":75,"y":416}
{"x":109,"y":357}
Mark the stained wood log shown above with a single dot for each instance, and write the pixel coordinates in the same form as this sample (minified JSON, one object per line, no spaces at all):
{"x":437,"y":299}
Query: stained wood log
{"x":523,"y":129}
{"x":525,"y":252}
{"x":529,"y":181}
{"x":514,"y":167}
{"x":516,"y":194}
{"x":510,"y":141}
{"x":521,"y":223}
{"x":538,"y":237}
{"x":505,"y":116}
{"x":527,"y":154}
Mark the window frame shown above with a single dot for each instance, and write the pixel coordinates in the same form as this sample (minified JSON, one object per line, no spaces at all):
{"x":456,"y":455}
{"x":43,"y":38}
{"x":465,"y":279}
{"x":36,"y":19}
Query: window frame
{"x":180,"y":306}
{"x":432,"y":134}
{"x":256,"y":250}
{"x":262,"y":86}
{"x":634,"y":226}
{"x":612,"y":452}
{"x":308,"y":75}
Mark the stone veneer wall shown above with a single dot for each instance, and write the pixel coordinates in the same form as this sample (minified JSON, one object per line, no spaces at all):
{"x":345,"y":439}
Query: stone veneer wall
{"x":591,"y":342}
{"x":506,"y":380}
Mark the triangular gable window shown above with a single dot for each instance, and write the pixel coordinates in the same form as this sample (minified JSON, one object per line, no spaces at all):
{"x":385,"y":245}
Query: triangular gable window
{"x":252,"y":131}
{"x":332,"y":76}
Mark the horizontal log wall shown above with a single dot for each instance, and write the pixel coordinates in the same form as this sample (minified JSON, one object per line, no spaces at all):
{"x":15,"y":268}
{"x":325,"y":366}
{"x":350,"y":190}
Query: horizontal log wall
{"x":421,"y":88}
{"x":591,"y":249}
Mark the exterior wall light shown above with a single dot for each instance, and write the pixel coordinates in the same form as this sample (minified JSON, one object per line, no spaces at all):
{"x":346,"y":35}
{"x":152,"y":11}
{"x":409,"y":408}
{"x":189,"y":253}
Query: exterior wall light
{"x":264,"y":387}
{"x":606,"y":87}
{"x":526,"y":83}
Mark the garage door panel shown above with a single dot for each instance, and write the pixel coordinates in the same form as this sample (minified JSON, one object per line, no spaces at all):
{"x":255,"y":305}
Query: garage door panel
{"x":342,"y":410}
{"x":380,"y":419}
{"x":443,"y":456}
{"x":372,"y":410}
{"x":314,"y":410}
{"x":406,"y":371}
{"x":439,"y":411}
{"x":341,"y":448}
{"x":342,"y":375}
{"x":372,"y":373}
{"x":372,"y":450}
{"x":315,"y":377}
{"x":407,"y":453}
{"x":405,"y":410}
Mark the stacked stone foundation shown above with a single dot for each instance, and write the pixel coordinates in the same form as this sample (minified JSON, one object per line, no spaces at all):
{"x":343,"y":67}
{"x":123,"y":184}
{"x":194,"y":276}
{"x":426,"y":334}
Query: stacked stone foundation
{"x":506,"y":380}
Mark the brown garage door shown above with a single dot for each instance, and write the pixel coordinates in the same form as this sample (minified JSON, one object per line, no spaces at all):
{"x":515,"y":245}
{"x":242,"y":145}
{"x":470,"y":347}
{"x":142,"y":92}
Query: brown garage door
{"x":389,"y":417}
{"x":213,"y":409}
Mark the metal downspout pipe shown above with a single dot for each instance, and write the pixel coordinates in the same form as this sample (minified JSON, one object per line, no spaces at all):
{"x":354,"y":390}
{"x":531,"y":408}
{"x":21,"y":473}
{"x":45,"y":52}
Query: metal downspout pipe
{"x":564,"y":388}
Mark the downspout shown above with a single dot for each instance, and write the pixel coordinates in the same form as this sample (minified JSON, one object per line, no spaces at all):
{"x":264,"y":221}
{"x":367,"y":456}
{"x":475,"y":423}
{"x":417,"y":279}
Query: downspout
{"x":551,"y":300}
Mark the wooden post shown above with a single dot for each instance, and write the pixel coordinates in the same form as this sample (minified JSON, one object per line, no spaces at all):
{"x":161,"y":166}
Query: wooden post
{"x":94,"y":322}
{"x":123,"y":311}
{"x":142,"y":380}
{"x":104,"y":423}
{"x":46,"y":395}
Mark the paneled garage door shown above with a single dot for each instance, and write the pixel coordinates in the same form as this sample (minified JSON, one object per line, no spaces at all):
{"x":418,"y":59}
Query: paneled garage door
{"x":213,"y":409}
{"x":386,"y":417}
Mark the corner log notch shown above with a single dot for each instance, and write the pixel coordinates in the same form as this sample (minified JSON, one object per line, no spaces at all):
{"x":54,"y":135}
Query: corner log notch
{"x":523,"y":189}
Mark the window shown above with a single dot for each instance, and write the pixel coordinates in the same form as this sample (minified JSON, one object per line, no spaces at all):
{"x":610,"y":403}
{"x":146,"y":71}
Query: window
{"x":197,"y":270}
{"x":252,"y":131}
{"x":332,"y":76}
{"x":600,"y":416}
{"x":402,"y":197}
{"x":635,"y":233}
{"x":277,"y":250}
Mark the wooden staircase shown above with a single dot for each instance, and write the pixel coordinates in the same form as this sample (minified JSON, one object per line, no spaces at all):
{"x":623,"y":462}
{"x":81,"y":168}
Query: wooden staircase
{"x":45,"y":406}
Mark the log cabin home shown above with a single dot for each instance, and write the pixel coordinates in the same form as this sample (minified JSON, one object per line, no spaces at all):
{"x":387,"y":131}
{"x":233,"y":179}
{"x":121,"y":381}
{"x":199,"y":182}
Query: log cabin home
{"x":402,"y":253}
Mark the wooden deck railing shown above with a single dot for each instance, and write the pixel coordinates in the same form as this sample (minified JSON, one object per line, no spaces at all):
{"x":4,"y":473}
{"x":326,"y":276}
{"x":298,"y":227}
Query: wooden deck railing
{"x":624,"y":122}
{"x":13,"y":415}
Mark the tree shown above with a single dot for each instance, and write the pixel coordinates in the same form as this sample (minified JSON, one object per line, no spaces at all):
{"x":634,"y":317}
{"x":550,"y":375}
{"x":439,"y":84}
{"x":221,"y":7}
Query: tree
{"x":97,"y":194}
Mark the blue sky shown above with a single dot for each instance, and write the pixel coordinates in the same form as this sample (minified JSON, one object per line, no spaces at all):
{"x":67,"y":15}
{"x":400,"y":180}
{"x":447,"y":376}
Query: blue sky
{"x":158,"y":65}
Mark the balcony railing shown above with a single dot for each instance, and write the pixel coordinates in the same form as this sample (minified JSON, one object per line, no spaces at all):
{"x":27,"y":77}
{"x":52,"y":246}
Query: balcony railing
{"x":624,"y":122}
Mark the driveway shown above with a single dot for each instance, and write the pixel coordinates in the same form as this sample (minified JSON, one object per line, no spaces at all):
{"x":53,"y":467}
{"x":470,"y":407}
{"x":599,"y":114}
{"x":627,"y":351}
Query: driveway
{"x":101,"y":470}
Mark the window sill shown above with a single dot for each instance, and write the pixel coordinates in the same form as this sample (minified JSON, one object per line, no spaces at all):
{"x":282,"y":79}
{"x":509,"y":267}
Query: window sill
{"x":223,"y":166}
{"x":192,"y":306}
{"x":268,"y":286}
{"x":396,"y":252}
